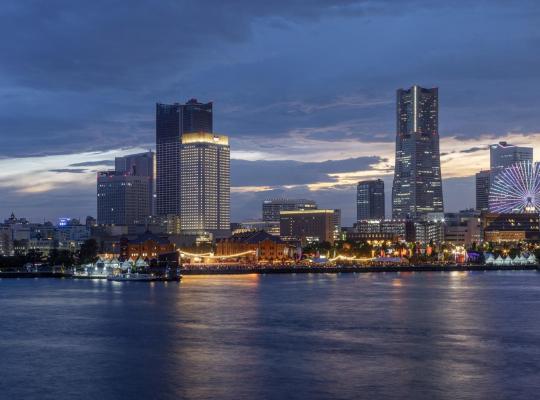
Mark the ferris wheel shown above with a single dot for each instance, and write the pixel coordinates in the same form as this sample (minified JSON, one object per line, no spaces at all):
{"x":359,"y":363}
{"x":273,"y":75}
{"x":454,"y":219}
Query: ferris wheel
{"x":516,"y":189}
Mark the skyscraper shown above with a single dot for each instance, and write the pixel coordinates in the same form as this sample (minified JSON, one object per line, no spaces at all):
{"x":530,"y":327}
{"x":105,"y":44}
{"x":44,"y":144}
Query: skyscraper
{"x":272,"y":207}
{"x":142,"y":164}
{"x":122,"y":199}
{"x":172,"y":121}
{"x":124,"y":196}
{"x":483,"y":182}
{"x":417,"y":187}
{"x":205,"y":176}
{"x":503,"y":154}
{"x":370,"y":200}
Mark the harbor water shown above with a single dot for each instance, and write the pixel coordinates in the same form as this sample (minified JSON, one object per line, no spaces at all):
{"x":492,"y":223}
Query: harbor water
{"x":429,"y":335}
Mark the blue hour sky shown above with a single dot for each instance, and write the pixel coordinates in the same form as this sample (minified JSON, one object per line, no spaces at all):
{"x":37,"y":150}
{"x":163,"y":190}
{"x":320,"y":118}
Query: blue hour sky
{"x":304,"y":89}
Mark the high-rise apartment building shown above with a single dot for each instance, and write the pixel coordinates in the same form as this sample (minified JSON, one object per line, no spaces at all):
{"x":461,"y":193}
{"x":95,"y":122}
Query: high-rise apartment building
{"x":417,"y":187}
{"x":205,"y":190}
{"x":172,"y":121}
{"x":483,"y":182}
{"x":271,"y":208}
{"x":370,"y":200}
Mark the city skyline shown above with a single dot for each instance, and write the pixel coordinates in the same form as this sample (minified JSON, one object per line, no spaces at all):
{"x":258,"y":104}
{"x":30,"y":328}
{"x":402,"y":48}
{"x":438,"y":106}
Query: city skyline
{"x":82,"y":118}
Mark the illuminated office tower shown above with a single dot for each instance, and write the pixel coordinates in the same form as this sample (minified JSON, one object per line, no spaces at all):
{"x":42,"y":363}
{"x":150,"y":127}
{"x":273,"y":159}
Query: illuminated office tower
{"x":503,"y":154}
{"x":370,"y":200}
{"x":417,"y":186}
{"x":272,"y":207}
{"x":142,"y":164}
{"x":483,"y":183}
{"x":122,"y":199}
{"x":172,"y":121}
{"x":205,"y":191}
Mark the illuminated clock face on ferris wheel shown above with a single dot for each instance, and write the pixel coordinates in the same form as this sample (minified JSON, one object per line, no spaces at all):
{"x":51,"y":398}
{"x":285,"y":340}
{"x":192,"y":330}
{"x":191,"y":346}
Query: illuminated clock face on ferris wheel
{"x":516,"y":189}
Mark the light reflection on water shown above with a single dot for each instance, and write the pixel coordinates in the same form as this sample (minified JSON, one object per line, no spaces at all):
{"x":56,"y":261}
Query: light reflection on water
{"x":314,"y":336}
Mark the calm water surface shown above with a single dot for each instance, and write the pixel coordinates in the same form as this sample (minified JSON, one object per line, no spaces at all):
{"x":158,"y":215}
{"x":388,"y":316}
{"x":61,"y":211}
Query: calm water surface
{"x":348,"y":336}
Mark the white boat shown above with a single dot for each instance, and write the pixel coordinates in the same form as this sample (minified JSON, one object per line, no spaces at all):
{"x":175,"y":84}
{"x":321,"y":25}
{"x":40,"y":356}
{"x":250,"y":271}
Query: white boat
{"x":132,"y":277}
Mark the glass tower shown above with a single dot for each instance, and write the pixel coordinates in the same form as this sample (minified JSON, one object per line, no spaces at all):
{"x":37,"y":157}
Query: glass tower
{"x":370,"y":200}
{"x":417,"y":187}
{"x":142,"y":164}
{"x":503,"y":155}
{"x":483,"y":183}
{"x":172,"y":121}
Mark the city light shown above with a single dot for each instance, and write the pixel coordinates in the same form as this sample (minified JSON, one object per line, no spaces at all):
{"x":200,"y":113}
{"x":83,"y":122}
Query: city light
{"x":212,"y":256}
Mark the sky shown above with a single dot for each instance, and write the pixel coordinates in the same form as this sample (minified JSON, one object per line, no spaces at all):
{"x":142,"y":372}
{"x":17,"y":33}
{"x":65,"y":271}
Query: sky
{"x":304,"y":89}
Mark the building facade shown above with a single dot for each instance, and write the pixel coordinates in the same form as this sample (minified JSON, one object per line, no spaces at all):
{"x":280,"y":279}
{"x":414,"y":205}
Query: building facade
{"x":417,"y":186}
{"x":465,"y":233}
{"x":172,"y":121}
{"x":503,"y":154}
{"x":272,"y":207}
{"x":482,"y":183}
{"x":427,"y":231}
{"x":6,"y":242}
{"x":122,"y":199}
{"x":499,"y":228}
{"x":387,"y":230}
{"x":142,"y":164}
{"x":308,"y":225}
{"x":205,"y":191}
{"x":271,"y":227}
{"x":257,"y":247}
{"x":370,"y":200}
{"x":146,"y":246}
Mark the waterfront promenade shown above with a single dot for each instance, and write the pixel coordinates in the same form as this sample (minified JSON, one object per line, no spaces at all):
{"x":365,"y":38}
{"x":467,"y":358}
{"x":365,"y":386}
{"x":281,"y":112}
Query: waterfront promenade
{"x":298,"y":269}
{"x":228,"y":269}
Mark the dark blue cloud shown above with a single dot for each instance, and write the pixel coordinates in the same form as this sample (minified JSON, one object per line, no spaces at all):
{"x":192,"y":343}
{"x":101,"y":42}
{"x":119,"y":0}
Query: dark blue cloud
{"x":84,"y":76}
{"x":79,"y":76}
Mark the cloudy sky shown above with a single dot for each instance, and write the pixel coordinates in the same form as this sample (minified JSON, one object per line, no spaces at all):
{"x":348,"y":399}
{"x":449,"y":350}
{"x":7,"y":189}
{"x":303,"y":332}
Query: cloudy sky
{"x":305,"y":90}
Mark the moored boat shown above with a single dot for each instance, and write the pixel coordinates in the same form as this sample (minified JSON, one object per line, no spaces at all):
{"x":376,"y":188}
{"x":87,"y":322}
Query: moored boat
{"x":132,"y":277}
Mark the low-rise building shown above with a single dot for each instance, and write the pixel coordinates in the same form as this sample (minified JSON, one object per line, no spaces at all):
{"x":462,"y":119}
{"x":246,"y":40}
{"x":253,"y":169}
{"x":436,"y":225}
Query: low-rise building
{"x":382,"y":230}
{"x":272,"y":227}
{"x":463,"y":228}
{"x":147,"y":246}
{"x":511,"y":227}
{"x":429,"y":231}
{"x":255,"y":247}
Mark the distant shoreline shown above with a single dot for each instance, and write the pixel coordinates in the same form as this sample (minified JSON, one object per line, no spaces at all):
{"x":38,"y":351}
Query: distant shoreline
{"x":358,"y":269}
{"x":303,"y":270}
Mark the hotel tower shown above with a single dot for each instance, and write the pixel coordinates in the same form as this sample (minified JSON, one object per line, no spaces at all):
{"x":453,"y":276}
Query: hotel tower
{"x":417,"y":187}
